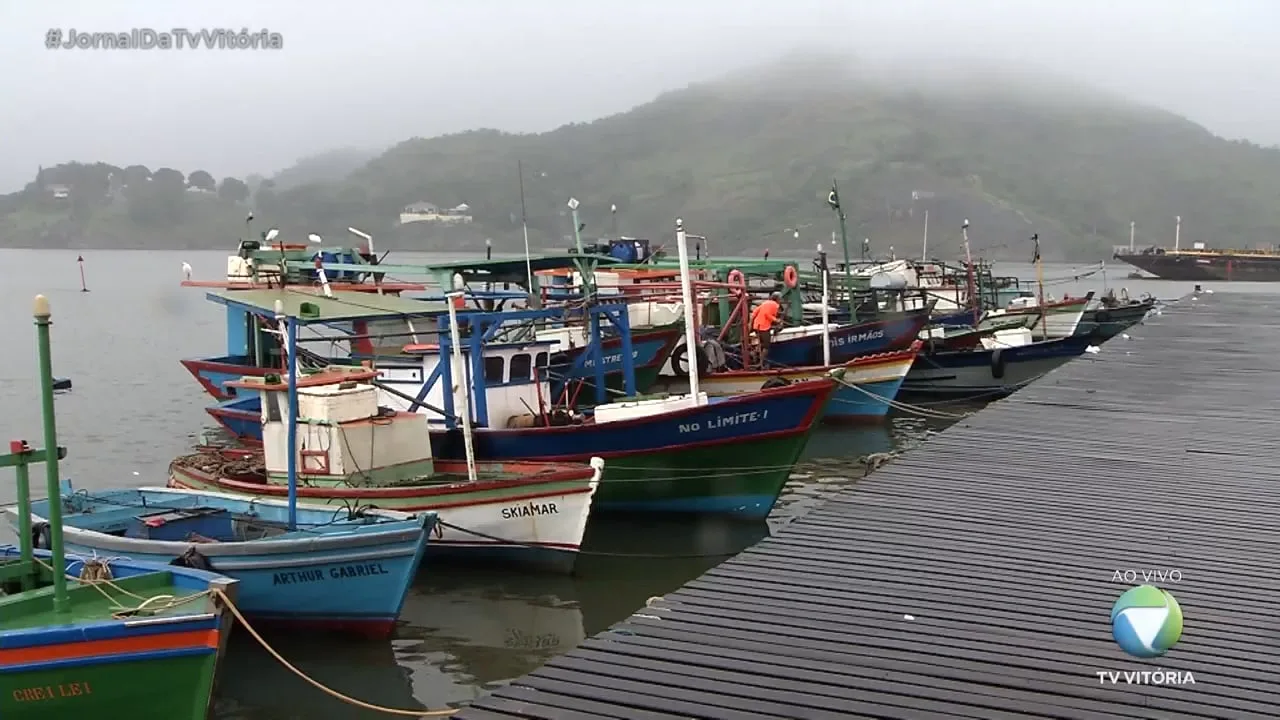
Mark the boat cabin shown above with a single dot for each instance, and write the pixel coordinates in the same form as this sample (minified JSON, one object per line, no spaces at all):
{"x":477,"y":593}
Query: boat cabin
{"x":516,"y":380}
{"x":343,"y":434}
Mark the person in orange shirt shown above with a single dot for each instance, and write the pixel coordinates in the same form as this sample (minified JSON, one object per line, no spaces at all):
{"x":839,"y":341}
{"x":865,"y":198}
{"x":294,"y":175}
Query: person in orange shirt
{"x":763,"y":319}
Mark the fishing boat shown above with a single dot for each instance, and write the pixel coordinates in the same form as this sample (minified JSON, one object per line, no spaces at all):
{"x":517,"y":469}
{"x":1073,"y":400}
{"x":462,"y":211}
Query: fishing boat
{"x":801,"y":345}
{"x":354,"y":453}
{"x":99,"y":637}
{"x":688,"y":453}
{"x":1008,"y":362}
{"x":865,"y":392}
{"x":344,"y":569}
{"x":1110,"y":315}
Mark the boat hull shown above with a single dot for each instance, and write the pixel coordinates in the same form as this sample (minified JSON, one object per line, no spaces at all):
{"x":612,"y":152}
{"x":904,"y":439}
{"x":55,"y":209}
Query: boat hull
{"x":866,"y":390}
{"x":850,"y":341}
{"x":1179,"y":266}
{"x":988,"y":374}
{"x":163,"y":667}
{"x":1105,"y":323}
{"x":732,"y":456}
{"x":214,"y":373}
{"x":344,"y":580}
{"x":535,"y":523}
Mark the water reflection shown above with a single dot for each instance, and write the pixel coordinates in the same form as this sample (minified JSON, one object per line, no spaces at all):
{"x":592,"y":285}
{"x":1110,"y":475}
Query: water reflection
{"x":252,"y":685}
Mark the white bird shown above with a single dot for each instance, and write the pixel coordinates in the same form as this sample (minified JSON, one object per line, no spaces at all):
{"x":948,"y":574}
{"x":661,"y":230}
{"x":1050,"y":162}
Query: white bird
{"x":315,"y":238}
{"x":1209,"y":291}
{"x":272,"y":233}
{"x":1093,"y":350}
{"x":186,"y":270}
{"x":908,"y":617}
{"x":1124,"y":335}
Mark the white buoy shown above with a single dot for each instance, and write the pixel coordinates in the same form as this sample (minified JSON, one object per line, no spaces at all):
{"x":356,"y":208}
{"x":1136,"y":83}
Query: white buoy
{"x":686,"y":293}
{"x":460,"y":377}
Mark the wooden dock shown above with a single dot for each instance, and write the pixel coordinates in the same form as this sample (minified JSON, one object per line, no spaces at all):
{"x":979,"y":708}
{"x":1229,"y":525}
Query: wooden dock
{"x":974,"y":577}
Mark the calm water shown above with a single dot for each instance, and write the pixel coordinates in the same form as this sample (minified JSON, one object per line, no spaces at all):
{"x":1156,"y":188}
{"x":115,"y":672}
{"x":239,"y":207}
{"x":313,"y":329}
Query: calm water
{"x":134,"y":408}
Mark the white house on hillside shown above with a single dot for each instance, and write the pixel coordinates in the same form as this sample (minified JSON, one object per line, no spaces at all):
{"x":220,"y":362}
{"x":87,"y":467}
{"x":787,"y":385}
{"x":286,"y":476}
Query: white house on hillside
{"x":426,"y":212}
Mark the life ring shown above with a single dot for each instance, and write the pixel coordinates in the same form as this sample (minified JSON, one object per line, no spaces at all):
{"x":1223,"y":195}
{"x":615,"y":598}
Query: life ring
{"x":737,"y":280}
{"x":997,"y":363}
{"x":790,"y":276}
{"x":680,"y":361}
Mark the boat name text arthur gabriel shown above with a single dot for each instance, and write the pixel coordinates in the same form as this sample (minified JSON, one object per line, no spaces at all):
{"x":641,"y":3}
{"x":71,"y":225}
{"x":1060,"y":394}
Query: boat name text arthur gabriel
{"x":715,"y":423}
{"x":610,"y":359}
{"x":47,"y":692}
{"x":839,"y":340}
{"x":335,"y":573}
{"x":530,"y":510}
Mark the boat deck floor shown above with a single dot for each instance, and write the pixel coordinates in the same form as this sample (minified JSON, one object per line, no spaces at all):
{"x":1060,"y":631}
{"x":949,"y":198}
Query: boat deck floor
{"x":89,"y":603}
{"x":974,"y":577}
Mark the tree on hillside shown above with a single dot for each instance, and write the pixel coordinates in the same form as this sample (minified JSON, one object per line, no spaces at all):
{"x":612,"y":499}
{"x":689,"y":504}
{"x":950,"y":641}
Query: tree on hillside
{"x":233,"y":190}
{"x":136,"y":175}
{"x":169,"y":178}
{"x":202,"y":180}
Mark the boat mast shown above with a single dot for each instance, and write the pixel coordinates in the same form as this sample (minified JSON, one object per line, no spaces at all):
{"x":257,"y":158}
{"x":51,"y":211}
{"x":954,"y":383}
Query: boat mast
{"x":686,"y":293}
{"x":826,"y":308}
{"x":58,"y":559}
{"x":834,"y":201}
{"x":1044,"y":324}
{"x":1177,"y":231}
{"x":459,"y":377}
{"x":968,"y":261}
{"x":924,"y":247}
{"x":534,"y":300}
{"x":290,"y":329}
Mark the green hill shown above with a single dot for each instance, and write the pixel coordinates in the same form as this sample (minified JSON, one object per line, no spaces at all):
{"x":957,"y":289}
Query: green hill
{"x":743,"y":158}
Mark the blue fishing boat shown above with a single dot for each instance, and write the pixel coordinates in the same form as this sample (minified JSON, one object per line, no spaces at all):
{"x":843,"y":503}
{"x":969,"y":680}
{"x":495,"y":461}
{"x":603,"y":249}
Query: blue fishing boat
{"x":801,"y":346}
{"x":341,"y":568}
{"x":988,"y":373}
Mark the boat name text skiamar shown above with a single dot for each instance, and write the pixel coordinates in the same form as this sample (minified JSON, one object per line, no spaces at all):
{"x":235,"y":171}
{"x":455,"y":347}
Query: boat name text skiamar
{"x":530,"y":510}
{"x":46,"y":692}
{"x":725,"y":421}
{"x":335,"y":573}
{"x":840,"y":340}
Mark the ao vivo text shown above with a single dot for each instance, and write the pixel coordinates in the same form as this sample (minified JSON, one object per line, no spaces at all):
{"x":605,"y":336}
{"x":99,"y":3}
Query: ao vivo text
{"x":1147,"y":576}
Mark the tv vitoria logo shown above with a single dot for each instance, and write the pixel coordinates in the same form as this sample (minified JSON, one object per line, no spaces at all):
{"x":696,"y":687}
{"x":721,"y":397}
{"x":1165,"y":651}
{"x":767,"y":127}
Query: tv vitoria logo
{"x":1146,"y":621}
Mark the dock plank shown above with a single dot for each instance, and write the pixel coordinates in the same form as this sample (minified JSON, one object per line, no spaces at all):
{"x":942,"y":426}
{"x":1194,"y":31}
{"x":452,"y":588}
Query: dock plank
{"x":974,"y":576}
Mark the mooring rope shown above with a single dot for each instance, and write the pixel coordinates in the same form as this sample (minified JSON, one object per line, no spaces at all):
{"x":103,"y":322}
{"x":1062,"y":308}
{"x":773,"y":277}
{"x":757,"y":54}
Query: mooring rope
{"x":223,"y":598}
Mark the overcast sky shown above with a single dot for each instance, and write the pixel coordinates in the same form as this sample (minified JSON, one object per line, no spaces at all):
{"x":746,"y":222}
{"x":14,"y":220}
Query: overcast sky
{"x":375,"y":72}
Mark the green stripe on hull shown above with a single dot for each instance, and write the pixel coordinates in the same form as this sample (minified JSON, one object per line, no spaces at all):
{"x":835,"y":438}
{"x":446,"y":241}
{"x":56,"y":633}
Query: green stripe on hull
{"x":700,"y":473}
{"x":173,"y":688}
{"x":413,"y":502}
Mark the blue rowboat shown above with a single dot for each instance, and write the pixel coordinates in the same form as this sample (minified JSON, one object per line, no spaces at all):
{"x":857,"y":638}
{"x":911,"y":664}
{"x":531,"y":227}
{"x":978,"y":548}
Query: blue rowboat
{"x":345,"y":569}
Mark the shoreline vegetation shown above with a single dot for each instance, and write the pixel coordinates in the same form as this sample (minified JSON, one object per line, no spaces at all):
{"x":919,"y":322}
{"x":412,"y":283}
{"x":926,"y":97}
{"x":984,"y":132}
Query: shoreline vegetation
{"x":747,"y":161}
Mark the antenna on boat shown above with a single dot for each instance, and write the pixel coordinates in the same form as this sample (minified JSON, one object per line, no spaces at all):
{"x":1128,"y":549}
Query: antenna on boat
{"x":1177,"y":232}
{"x":686,"y":293}
{"x":460,"y":376}
{"x":1132,"y":225}
{"x":80,"y":262}
{"x":534,"y":300}
{"x":291,"y":367}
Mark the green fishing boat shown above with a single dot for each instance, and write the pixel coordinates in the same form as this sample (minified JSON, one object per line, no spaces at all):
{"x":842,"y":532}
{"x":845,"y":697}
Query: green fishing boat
{"x":99,"y":638}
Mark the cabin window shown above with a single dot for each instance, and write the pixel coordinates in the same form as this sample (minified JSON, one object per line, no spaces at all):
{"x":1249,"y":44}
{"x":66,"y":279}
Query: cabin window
{"x":494,"y":368}
{"x":273,"y":406}
{"x":541,"y":361}
{"x":521,"y":367}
